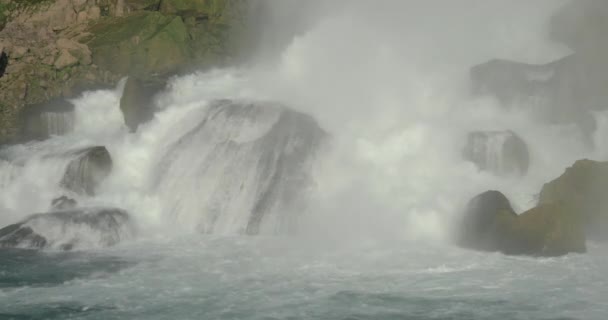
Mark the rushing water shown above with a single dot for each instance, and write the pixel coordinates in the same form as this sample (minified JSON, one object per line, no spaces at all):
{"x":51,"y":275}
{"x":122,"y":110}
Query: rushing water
{"x":363,"y":119}
{"x":270,"y":278}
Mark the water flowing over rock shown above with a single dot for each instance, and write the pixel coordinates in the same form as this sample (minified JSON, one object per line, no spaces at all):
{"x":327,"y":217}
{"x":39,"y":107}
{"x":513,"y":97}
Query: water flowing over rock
{"x":40,"y":122}
{"x":68,"y":230}
{"x":499,"y":152}
{"x":582,"y":188}
{"x":89,"y":168}
{"x":491,"y":224}
{"x":245,"y":168}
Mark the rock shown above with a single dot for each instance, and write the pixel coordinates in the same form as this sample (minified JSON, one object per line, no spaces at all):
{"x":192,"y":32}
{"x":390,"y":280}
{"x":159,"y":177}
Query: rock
{"x":582,"y":188}
{"x":63,"y":203}
{"x":87,"y":170}
{"x":40,"y":122}
{"x":499,"y":152}
{"x":3,"y":62}
{"x":485,"y":224}
{"x":144,"y":44}
{"x":69,"y":230}
{"x":255,"y":158}
{"x":565,"y":91}
{"x":137,"y":101}
{"x":490,"y":224}
{"x":78,"y":50}
{"x":18,"y":52}
{"x":202,"y":9}
{"x":65,"y":59}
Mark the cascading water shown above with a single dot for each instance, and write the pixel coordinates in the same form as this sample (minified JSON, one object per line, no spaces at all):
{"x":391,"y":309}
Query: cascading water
{"x":351,"y":143}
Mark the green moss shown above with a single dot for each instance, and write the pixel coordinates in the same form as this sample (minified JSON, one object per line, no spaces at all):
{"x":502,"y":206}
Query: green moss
{"x":212,"y":10}
{"x":142,"y":44}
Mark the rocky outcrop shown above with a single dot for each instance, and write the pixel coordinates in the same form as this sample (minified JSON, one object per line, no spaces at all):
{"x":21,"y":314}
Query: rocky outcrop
{"x":69,"y":230}
{"x":499,"y":152}
{"x":55,"y":49}
{"x":490,"y":224}
{"x":137,"y":101}
{"x":87,"y":170}
{"x":245,"y":168}
{"x":582,"y":188}
{"x":41,"y":121}
{"x":560,"y":92}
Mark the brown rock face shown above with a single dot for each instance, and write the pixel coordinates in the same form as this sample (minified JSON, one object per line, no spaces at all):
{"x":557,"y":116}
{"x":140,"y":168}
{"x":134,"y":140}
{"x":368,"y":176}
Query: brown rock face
{"x":490,"y":224}
{"x":582,"y":188}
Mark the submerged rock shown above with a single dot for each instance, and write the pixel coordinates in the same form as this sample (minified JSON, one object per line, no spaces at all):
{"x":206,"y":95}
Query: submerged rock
{"x":582,"y":188}
{"x":491,"y":224}
{"x":499,"y":152}
{"x":244,"y":169}
{"x":88,"y":169}
{"x":68,"y":230}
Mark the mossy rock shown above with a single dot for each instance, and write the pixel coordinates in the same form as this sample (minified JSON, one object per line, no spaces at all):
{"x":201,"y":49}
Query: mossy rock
{"x":143,"y":44}
{"x":582,"y":188}
{"x":490,"y":224}
{"x":212,"y":10}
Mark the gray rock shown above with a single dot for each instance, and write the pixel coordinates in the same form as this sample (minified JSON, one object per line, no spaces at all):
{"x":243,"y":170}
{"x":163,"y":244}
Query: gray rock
{"x":88,"y":169}
{"x":245,"y":168}
{"x":63,"y":203}
{"x":499,"y":152}
{"x":67,"y":230}
{"x":41,"y":121}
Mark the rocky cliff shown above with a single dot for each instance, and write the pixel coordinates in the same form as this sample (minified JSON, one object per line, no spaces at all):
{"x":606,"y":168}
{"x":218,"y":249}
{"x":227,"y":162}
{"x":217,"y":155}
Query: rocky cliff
{"x":55,"y":49}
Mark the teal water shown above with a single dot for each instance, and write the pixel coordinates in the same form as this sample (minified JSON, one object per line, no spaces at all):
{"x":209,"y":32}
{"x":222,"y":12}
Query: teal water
{"x":278,"y":278}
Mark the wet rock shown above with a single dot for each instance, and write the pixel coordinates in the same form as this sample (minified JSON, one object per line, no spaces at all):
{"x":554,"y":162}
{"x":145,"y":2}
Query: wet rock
{"x":69,"y":230}
{"x":63,"y":203}
{"x":565,"y":91}
{"x":253,"y":158}
{"x":88,"y":169}
{"x":137,"y":101}
{"x":499,"y":152}
{"x":41,"y":121}
{"x":491,"y":224}
{"x":582,"y":188}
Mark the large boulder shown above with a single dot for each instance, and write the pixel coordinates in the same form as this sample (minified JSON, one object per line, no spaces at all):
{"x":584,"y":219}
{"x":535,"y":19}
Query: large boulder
{"x":499,"y":152}
{"x":490,"y":224}
{"x":137,"y":101}
{"x":565,"y":91}
{"x":68,"y":230}
{"x":88,"y":168}
{"x":245,"y":168}
{"x":582,"y":188}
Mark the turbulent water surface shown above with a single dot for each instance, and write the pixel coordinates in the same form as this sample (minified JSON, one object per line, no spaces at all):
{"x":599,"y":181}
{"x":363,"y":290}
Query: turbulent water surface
{"x":321,"y":182}
{"x":269,"y":278}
